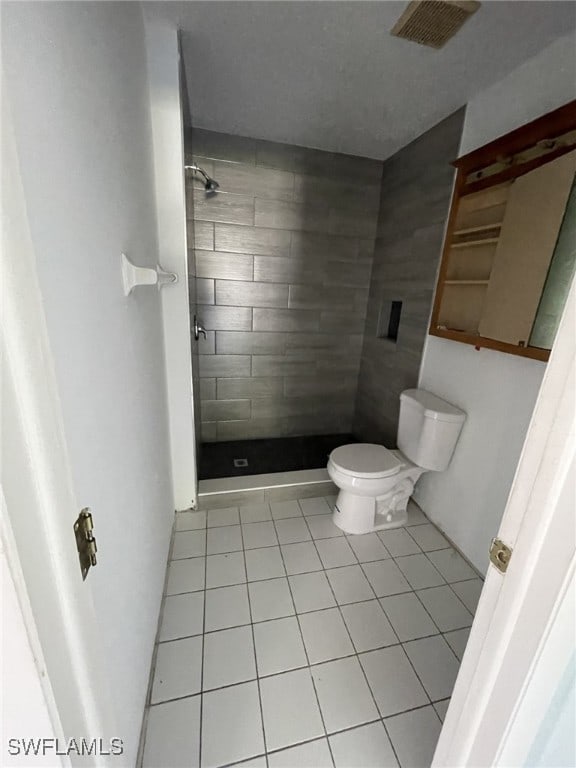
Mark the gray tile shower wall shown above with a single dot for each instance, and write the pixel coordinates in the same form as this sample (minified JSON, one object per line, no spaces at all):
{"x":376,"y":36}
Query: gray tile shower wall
{"x":416,"y":189}
{"x":283,"y":260}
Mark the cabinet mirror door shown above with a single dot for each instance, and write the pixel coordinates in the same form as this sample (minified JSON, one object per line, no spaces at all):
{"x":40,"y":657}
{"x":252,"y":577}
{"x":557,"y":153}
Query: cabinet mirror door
{"x":510,"y":249}
{"x":533,"y":216}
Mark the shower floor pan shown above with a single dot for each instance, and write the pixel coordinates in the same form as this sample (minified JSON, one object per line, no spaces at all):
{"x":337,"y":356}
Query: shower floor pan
{"x":242,"y":458}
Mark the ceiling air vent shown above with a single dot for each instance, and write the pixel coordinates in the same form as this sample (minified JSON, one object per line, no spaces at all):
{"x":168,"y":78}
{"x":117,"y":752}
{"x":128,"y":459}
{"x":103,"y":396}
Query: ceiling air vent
{"x":433,"y":22}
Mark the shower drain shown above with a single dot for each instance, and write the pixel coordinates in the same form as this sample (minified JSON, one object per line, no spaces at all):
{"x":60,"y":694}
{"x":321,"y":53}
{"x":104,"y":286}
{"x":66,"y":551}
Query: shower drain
{"x":240,"y":463}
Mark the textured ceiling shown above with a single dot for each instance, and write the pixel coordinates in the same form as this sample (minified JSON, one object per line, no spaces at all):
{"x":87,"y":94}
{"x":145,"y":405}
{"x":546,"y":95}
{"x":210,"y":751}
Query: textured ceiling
{"x":329,"y":74}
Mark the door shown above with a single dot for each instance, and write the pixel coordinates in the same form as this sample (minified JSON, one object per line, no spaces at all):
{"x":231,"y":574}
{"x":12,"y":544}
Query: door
{"x":532,"y":220}
{"x":517,"y":618}
{"x":38,"y":500}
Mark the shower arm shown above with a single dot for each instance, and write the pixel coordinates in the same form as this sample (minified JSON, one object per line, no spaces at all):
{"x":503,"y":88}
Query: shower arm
{"x":210,"y":185}
{"x":197,"y":169}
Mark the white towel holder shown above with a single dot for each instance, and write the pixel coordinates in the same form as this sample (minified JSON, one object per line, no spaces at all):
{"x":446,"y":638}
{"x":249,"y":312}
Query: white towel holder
{"x":133,"y":275}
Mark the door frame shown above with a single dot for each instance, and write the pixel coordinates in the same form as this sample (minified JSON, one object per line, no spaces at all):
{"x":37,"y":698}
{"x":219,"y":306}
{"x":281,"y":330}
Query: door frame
{"x":164,"y":77}
{"x":520,"y":610}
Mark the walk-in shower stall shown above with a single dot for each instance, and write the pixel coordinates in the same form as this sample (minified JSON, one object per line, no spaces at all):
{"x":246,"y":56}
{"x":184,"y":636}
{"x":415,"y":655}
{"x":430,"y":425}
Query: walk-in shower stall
{"x":283,"y":257}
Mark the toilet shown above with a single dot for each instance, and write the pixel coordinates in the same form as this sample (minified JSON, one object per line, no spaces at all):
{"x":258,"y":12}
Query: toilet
{"x":375,"y":483}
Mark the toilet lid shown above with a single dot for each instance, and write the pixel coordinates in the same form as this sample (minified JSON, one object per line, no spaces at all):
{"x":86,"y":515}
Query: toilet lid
{"x":365,"y":460}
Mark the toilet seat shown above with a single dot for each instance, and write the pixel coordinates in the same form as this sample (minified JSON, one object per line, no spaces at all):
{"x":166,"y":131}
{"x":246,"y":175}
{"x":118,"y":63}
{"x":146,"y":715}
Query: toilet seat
{"x":366,"y":460}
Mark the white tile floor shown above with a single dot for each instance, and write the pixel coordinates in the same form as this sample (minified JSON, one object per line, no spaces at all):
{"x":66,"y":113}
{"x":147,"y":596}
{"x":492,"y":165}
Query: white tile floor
{"x":284,"y":643}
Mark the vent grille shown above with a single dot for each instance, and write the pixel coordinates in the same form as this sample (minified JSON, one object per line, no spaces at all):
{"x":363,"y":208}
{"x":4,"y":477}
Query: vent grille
{"x":433,"y":22}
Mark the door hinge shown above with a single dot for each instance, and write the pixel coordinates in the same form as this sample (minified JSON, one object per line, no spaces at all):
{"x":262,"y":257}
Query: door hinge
{"x":500,"y":555}
{"x":85,"y":541}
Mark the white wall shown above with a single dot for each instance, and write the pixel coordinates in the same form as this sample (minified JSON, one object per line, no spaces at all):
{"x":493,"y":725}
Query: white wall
{"x":497,"y":391}
{"x":78,"y":88}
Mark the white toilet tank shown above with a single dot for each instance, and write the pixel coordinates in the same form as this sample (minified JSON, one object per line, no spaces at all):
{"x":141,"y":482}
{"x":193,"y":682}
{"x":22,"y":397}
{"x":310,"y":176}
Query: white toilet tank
{"x":429,"y":429}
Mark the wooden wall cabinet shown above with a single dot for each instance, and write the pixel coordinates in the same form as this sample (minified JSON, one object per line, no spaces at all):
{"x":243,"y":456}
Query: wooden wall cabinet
{"x":507,"y":210}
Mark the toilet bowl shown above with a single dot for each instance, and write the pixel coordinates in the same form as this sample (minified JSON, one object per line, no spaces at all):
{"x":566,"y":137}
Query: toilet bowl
{"x":375,"y":483}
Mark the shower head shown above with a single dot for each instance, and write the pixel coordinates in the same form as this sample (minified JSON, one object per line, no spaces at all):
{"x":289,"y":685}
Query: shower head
{"x":210,"y":185}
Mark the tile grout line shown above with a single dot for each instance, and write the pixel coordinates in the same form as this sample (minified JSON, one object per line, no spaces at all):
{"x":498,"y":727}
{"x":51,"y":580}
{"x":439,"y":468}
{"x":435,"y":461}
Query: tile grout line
{"x":321,"y":538}
{"x":203,"y":647}
{"x":327,"y":737}
{"x":304,"y":613}
{"x":451,"y":545}
{"x":296,"y":669}
{"x":295,"y":517}
{"x":442,"y":633}
{"x":446,"y":584}
{"x":258,"y":677}
{"x":407,"y":657}
{"x":401,"y":644}
{"x":357,"y":655}
{"x":438,"y":633}
{"x":308,"y":573}
{"x":398,"y":594}
{"x":459,"y":598}
{"x":392,"y":627}
{"x":304,"y":647}
{"x":325,"y":569}
{"x":414,"y":592}
{"x":256,"y":671}
{"x":148,"y":699}
{"x":293,"y":669}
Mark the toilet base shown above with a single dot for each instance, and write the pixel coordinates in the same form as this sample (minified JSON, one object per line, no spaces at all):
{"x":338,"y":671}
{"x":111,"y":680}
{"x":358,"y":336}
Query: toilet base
{"x":365,"y":514}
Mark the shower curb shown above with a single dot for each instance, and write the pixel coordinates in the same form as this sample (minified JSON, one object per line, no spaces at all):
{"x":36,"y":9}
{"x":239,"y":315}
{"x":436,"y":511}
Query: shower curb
{"x":258,"y":489}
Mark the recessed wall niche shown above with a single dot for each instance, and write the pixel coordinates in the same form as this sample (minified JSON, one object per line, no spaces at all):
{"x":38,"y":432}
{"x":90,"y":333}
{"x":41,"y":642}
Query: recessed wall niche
{"x":389,"y":320}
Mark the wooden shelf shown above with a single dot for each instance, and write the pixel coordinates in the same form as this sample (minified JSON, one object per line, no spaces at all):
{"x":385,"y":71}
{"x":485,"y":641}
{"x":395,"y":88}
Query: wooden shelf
{"x":467,"y":332}
{"x":465,"y":282}
{"x":470,"y":243}
{"x":479,"y":229}
{"x":536,"y":353}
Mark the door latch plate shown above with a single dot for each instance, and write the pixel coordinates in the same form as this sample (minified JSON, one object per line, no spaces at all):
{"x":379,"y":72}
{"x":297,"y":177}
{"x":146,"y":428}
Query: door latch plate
{"x":500,"y":555}
{"x":85,"y":541}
